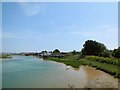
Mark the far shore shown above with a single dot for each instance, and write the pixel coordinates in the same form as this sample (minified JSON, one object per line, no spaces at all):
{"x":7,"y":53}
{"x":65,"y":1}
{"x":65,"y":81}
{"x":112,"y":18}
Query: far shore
{"x":5,"y":56}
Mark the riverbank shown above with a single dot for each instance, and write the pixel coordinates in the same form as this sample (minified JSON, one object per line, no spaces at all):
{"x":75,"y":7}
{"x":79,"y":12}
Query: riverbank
{"x":108,"y":65}
{"x":99,"y":79}
{"x":4,"y":56}
{"x":32,"y":72}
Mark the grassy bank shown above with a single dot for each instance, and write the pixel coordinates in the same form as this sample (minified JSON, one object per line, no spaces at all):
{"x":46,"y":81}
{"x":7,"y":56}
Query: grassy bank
{"x":5,"y":56}
{"x":69,"y":60}
{"x":109,"y":65}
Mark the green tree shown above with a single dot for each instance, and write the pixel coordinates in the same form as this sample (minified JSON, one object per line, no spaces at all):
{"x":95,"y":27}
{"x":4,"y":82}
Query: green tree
{"x":56,"y":51}
{"x":105,"y":53}
{"x":93,"y":48}
{"x":116,"y":53}
{"x":74,"y":52}
{"x":44,"y":52}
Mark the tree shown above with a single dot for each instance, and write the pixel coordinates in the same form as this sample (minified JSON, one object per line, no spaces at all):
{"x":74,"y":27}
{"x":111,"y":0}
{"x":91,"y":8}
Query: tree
{"x":105,"y":53}
{"x":44,"y":52}
{"x":116,"y":53}
{"x":74,"y":52}
{"x":56,"y":51}
{"x":93,"y":48}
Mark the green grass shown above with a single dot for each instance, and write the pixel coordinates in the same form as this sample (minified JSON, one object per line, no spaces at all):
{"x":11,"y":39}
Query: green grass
{"x":73,"y":63}
{"x":109,"y":68}
{"x":67,"y":61}
{"x":103,"y":60}
{"x":109,"y":65}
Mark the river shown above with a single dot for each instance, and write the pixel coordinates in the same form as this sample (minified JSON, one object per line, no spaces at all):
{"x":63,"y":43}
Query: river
{"x":32,"y":72}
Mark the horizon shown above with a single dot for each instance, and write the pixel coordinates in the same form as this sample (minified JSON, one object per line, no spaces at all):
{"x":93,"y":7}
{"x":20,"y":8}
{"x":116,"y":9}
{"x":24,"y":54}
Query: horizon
{"x":65,"y":26}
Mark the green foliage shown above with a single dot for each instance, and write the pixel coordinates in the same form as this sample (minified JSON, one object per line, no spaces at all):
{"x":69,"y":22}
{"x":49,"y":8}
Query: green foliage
{"x":73,"y":63}
{"x":56,"y":51}
{"x":75,"y":52}
{"x":5,"y":56}
{"x":44,"y":52}
{"x":109,"y":65}
{"x":69,"y":60}
{"x":55,"y":59}
{"x":93,"y":48}
{"x":109,"y":68}
{"x":116,"y":53}
{"x":105,"y":53}
{"x":103,"y":60}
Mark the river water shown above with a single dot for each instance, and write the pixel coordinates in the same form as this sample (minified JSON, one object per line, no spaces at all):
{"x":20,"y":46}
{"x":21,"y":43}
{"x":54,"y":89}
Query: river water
{"x":32,"y":72}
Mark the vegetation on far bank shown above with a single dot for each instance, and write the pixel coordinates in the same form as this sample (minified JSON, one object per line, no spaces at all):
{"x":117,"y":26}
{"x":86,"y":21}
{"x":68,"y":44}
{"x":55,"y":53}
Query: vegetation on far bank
{"x":3,"y":56}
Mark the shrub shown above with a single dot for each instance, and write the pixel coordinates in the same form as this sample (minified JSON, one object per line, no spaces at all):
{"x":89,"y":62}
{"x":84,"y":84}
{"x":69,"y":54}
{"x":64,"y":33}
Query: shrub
{"x":105,"y":53}
{"x":103,"y":60}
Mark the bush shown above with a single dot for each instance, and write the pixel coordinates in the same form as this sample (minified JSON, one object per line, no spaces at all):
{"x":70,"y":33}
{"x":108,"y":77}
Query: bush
{"x":116,"y":53}
{"x":105,"y":53}
{"x":103,"y":60}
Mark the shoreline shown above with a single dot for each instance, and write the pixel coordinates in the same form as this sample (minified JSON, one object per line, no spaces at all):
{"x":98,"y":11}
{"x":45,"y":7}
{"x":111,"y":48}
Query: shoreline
{"x":84,"y":76}
{"x":99,"y":82}
{"x":77,"y":69}
{"x":103,"y":81}
{"x":5,"y":56}
{"x":79,"y":63}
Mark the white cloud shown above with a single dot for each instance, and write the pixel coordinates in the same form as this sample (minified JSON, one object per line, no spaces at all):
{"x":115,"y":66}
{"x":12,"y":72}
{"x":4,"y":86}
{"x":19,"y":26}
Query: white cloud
{"x":31,"y":8}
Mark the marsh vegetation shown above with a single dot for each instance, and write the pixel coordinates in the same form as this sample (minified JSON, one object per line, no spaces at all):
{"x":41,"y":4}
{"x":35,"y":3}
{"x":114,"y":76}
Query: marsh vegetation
{"x":93,"y":54}
{"x":3,"y":56}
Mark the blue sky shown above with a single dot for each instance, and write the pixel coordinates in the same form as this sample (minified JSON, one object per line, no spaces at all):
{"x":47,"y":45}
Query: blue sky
{"x":66,"y":26}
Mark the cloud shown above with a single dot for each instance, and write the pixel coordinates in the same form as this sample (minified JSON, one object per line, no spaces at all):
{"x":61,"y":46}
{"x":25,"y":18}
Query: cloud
{"x":32,"y":8}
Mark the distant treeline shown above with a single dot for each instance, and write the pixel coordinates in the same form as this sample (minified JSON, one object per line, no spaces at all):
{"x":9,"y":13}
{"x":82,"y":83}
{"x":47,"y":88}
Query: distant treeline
{"x":90,"y":47}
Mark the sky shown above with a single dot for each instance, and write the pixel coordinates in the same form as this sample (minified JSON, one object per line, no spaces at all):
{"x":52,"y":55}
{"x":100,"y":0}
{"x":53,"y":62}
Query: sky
{"x":38,"y":26}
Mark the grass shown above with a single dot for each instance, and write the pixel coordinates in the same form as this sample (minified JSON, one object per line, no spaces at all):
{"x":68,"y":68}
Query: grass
{"x":68,"y":60}
{"x":109,"y":68}
{"x":103,"y":60}
{"x":109,"y":65}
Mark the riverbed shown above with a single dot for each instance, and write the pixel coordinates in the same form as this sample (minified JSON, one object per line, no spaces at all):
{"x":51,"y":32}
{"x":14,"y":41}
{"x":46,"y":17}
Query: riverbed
{"x":32,"y":72}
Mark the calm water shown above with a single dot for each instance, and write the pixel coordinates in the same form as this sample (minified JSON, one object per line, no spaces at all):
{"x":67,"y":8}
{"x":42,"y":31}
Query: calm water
{"x":32,"y":72}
